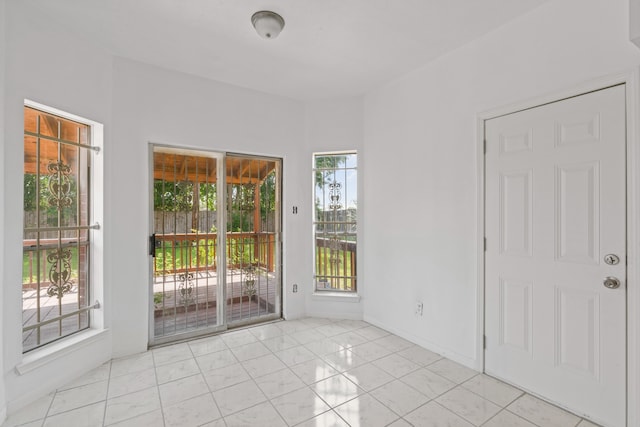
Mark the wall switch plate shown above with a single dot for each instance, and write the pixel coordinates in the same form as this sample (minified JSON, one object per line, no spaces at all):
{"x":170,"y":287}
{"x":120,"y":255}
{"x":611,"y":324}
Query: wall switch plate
{"x":419,"y":308}
{"x":295,"y":287}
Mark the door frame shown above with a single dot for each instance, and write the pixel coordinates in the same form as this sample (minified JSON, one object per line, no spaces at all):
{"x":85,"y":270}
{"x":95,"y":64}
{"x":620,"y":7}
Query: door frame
{"x":222,"y":319}
{"x":221,"y":324}
{"x":631,"y":81}
{"x":279,"y":311}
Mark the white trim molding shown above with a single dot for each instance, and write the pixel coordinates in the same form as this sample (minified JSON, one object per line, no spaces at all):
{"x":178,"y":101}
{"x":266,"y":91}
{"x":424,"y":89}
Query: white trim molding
{"x":634,"y":22}
{"x":43,"y":356}
{"x":631,"y":80}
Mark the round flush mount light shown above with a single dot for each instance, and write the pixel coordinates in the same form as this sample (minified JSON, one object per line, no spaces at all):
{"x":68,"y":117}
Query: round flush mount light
{"x":268,"y":24}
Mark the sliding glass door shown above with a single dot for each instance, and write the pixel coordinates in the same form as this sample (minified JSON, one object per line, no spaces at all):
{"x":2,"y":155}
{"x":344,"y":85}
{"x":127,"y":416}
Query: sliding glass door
{"x":214,"y":242}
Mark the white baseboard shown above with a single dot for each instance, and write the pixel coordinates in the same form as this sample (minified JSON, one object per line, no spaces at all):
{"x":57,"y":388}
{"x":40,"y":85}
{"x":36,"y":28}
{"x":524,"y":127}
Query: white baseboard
{"x":334,"y":315}
{"x":469,"y":362}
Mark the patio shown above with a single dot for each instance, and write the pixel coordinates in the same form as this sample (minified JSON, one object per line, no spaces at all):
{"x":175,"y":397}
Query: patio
{"x":184,"y":305}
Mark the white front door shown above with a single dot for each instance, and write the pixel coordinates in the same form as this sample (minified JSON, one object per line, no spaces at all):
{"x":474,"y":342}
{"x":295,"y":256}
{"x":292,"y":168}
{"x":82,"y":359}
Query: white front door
{"x":555,"y":208}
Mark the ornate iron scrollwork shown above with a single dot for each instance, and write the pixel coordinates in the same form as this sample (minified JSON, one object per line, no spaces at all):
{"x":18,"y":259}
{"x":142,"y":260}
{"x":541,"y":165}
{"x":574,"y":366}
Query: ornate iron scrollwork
{"x":59,"y":185}
{"x":335,"y":194}
{"x":186,"y":288}
{"x":250,"y":274}
{"x":59,"y":273}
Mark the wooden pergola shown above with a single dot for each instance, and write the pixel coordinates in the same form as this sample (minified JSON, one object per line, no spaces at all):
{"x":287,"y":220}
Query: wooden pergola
{"x":170,"y":166}
{"x":200,"y":169}
{"x":50,"y":130}
{"x":49,"y":139}
{"x":196,"y":169}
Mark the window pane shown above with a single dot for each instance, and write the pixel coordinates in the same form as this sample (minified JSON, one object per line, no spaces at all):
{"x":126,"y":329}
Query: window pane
{"x":335,"y":228}
{"x":55,"y":262}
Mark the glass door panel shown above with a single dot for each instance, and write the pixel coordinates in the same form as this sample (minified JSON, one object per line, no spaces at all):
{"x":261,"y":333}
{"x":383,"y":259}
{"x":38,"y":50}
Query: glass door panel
{"x":212,"y":210}
{"x":253,"y":278}
{"x":186,"y":292}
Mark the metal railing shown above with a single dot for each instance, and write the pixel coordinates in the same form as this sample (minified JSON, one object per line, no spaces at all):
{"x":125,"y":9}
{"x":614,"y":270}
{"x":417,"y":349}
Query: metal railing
{"x":181,"y":252}
{"x":81,"y":310}
{"x":175,"y":253}
{"x":335,"y":265}
{"x":34,"y":252}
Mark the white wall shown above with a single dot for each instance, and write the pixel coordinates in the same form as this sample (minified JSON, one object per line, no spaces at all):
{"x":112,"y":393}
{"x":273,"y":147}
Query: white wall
{"x":46,"y":65}
{"x":416,"y":137}
{"x":160,"y":106}
{"x":332,"y":125}
{"x":137,"y":104}
{"x":420,"y":138}
{"x":3,"y":406}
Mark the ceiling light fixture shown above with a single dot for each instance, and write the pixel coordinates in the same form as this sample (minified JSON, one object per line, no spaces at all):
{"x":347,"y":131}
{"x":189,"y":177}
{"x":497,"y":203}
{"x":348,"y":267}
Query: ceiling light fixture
{"x":268,"y":24}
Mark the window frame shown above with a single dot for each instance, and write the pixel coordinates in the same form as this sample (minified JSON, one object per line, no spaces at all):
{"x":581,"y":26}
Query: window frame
{"x":35,"y":356}
{"x":325,"y":292}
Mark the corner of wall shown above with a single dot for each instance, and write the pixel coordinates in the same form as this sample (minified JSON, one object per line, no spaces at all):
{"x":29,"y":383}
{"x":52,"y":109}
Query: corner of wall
{"x":335,"y":124}
{"x":634,"y":22}
{"x":3,"y":406}
{"x":22,"y":29}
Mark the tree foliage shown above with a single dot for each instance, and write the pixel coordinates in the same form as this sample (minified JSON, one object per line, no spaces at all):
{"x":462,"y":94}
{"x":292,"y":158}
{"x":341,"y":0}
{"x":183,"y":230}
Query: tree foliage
{"x":180,"y":197}
{"x":325,"y":165}
{"x":34,"y":188}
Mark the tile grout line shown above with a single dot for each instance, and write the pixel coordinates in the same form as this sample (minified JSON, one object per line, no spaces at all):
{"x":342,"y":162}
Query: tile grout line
{"x":207,"y":383}
{"x":250,"y":378}
{"x":256,"y":384}
{"x":305,"y":385}
{"x":155,"y":373}
{"x":322,"y":357}
{"x":313,"y":327}
{"x":106,"y":398}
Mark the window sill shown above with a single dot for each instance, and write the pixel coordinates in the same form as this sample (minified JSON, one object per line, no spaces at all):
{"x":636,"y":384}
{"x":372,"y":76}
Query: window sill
{"x":335,"y":296}
{"x":37,"y":358}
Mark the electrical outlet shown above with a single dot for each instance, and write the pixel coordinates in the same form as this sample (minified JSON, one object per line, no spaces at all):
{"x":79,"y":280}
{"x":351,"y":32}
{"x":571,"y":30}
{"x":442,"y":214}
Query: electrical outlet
{"x":419,"y":308}
{"x":295,"y":287}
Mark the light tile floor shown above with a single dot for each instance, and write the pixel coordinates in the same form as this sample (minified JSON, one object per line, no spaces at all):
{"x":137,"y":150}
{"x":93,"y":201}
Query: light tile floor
{"x":309,"y":372}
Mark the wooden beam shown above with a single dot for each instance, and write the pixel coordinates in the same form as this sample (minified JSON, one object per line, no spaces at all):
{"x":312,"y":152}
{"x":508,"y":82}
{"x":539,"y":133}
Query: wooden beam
{"x":251,"y":172}
{"x":244,"y":170}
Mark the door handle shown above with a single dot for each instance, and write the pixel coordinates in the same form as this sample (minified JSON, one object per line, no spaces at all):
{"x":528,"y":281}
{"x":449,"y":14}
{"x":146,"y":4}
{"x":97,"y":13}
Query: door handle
{"x":152,"y":245}
{"x":611,"y":282}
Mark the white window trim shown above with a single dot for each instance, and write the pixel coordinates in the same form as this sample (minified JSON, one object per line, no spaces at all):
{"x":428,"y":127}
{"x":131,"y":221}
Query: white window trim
{"x":49,"y":352}
{"x":336,"y":296}
{"x":56,"y":349}
{"x":332,"y":296}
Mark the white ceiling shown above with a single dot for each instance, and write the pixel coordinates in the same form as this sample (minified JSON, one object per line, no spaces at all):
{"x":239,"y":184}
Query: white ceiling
{"x":328,"y":48}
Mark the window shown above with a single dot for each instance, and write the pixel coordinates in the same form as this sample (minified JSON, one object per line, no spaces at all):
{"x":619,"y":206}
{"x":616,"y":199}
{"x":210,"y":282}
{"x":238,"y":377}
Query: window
{"x":335,"y":221}
{"x":56,"y":288}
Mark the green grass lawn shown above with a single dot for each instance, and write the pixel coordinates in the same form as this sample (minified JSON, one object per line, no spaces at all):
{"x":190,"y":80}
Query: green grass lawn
{"x":188,"y":254}
{"x":343,"y":267}
{"x":29,"y":261}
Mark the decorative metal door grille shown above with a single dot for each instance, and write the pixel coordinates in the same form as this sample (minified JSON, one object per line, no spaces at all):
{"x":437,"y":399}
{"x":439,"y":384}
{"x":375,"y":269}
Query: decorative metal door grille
{"x":253,"y":224}
{"x":335,"y":221}
{"x":185,"y":240}
{"x":192,"y":294}
{"x":56,"y":240}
